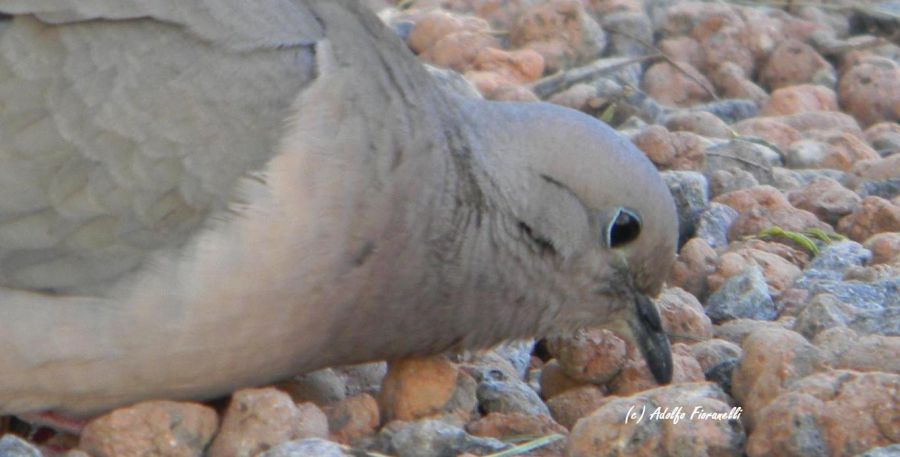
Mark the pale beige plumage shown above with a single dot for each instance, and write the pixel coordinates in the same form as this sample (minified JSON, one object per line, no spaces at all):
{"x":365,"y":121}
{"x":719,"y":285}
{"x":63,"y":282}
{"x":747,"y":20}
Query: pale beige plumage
{"x":199,"y":196}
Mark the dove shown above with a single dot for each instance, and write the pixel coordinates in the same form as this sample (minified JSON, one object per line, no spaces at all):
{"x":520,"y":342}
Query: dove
{"x":201,"y":196}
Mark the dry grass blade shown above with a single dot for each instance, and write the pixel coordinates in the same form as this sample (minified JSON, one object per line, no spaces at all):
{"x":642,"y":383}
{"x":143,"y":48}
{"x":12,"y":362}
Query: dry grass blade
{"x":528,"y":446}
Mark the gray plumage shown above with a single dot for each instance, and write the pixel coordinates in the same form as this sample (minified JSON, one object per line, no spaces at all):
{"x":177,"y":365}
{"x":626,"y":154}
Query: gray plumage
{"x":199,"y":196}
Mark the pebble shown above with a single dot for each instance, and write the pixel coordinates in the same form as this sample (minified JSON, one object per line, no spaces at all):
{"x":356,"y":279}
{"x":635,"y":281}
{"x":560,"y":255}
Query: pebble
{"x":607,"y":432}
{"x":353,"y":418}
{"x":715,"y":223}
{"x":13,"y":446}
{"x":679,"y":150}
{"x":870,"y":91}
{"x":509,"y":427}
{"x":162,"y":428}
{"x":799,"y":99}
{"x":683,"y":317}
{"x":811,"y":417}
{"x":677,"y":84}
{"x":573,"y":404}
{"x":826,"y":198}
{"x":310,"y":447}
{"x":773,"y":358}
{"x":430,"y":438}
{"x":420,"y":387}
{"x":691,"y":194}
{"x":696,"y":260}
{"x":258,"y":419}
{"x":745,"y":295}
{"x":510,"y":396}
{"x":793,"y":62}
{"x":591,"y":355}
{"x":873,"y":216}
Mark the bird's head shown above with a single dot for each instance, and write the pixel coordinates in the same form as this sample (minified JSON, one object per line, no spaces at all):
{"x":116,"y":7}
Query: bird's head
{"x":590,"y":216}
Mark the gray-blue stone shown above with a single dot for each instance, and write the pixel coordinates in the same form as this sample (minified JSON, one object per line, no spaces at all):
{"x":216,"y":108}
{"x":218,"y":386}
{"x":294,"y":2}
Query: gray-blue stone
{"x":432,"y":438}
{"x":714,"y":224}
{"x":510,"y":396}
{"x":887,"y":189}
{"x":743,"y":295}
{"x":13,"y":446}
{"x":311,"y":447}
{"x":518,"y":354}
{"x":691,"y":193}
{"x":886,"y":451}
{"x":865,"y":307}
{"x":833,"y":261}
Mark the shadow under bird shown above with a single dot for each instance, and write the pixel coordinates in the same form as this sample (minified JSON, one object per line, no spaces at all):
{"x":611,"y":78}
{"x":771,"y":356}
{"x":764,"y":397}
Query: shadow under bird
{"x":200,"y":196}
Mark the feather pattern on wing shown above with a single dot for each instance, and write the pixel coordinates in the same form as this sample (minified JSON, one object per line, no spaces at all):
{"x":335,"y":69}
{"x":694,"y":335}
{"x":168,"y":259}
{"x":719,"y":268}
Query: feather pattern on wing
{"x":119,"y":137}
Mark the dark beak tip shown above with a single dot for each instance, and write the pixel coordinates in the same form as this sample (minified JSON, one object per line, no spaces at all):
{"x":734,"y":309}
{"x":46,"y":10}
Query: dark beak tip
{"x":653,"y":342}
{"x":661,"y":367}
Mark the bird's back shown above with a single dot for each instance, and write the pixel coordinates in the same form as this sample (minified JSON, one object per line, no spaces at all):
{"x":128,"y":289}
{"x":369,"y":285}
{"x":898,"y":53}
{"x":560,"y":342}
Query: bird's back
{"x":124,"y":125}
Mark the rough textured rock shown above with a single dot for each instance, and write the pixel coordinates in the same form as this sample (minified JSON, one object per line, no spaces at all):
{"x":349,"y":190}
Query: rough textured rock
{"x":573,"y":404}
{"x":421,"y":387}
{"x":837,"y":413}
{"x":258,"y":419}
{"x":870,"y":91}
{"x":732,"y":82}
{"x":429,"y":438}
{"x":353,"y":418}
{"x":884,"y":137}
{"x":773,"y":359}
{"x":509,"y":396}
{"x":554,"y":381}
{"x":13,"y":446}
{"x":592,"y":356}
{"x":799,"y":99}
{"x":822,"y":312}
{"x":874,"y":215}
{"x":322,"y":387}
{"x":847,"y":350}
{"x":793,"y":62}
{"x":677,"y":84}
{"x":702,"y":123}
{"x":722,"y":181}
{"x":778,"y":272}
{"x":829,"y":150}
{"x":162,"y":428}
{"x":715,"y":223}
{"x":683,"y":317}
{"x":737,"y":330}
{"x":506,"y":427}
{"x":769,"y":129}
{"x":606,"y":433}
{"x":826,"y":198}
{"x":810,"y":121}
{"x":695,"y":262}
{"x":671,"y":150}
{"x":562,"y":32}
{"x":689,"y":189}
{"x":310,"y":447}
{"x":885,"y":247}
{"x":744,"y":295}
{"x":635,"y":376}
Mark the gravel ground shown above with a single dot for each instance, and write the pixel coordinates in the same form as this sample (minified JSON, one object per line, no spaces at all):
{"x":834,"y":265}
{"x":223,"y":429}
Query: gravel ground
{"x":775,"y":127}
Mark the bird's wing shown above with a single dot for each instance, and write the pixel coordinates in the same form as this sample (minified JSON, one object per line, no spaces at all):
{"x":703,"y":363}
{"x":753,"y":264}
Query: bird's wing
{"x":124,"y":123}
{"x":237,"y":24}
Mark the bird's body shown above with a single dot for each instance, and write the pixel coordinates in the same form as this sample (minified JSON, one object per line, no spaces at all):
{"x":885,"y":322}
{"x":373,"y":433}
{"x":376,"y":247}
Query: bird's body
{"x":199,"y":196}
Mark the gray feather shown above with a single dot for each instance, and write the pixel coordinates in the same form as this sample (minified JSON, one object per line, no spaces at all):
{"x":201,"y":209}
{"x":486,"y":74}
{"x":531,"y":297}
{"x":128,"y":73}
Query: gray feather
{"x":136,"y":129}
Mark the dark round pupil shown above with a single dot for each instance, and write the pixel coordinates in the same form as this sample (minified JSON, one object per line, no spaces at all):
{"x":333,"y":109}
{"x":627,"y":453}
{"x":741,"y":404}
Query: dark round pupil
{"x":625,"y":229}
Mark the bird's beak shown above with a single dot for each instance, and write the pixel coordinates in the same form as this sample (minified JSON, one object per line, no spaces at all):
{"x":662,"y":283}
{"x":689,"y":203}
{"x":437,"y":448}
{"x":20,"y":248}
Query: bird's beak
{"x":647,"y":333}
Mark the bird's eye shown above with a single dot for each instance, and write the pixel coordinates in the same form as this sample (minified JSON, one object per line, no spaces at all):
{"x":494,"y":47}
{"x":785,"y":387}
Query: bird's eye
{"x":623,"y":228}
